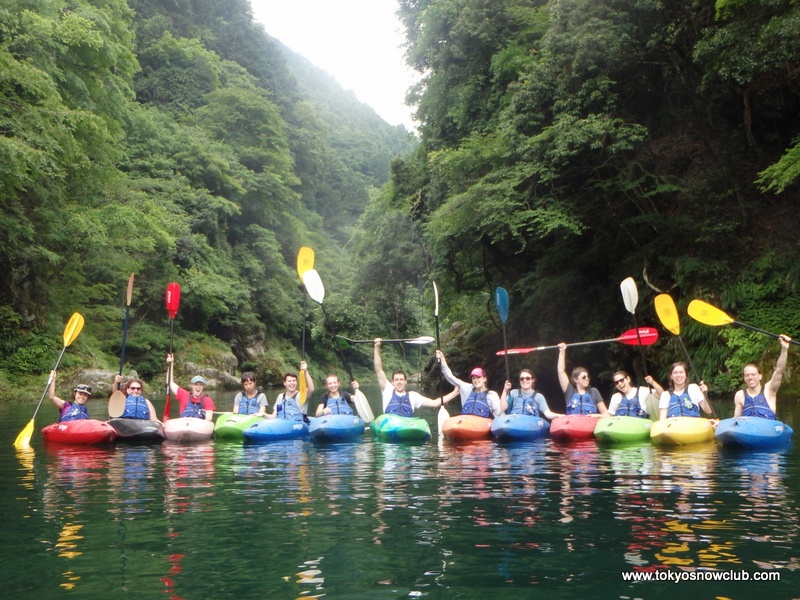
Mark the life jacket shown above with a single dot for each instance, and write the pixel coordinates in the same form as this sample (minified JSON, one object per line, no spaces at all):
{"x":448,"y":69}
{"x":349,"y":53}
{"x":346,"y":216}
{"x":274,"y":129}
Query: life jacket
{"x":682,"y":406}
{"x":248,"y":406}
{"x":289,"y":409}
{"x":76,"y":412}
{"x":399,"y":405}
{"x":477,"y":404}
{"x":195,"y":409}
{"x":523,"y":405}
{"x":136,"y":408}
{"x":757,"y":407}
{"x":581,"y":404}
{"x":338,"y":406}
{"x":630,"y":407}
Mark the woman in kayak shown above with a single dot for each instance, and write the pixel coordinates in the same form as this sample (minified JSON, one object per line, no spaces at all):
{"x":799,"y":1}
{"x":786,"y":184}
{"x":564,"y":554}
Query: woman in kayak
{"x":757,"y":400}
{"x":631,"y":401}
{"x":580,"y":398}
{"x":476,"y":398}
{"x":526,"y":400}
{"x":136,"y":405}
{"x":682,"y":399}
{"x":71,"y":411}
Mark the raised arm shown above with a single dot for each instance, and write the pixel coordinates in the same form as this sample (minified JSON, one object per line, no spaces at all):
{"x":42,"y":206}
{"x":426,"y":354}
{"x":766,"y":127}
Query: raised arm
{"x":309,"y":381}
{"x":378,"y":362}
{"x":771,"y":389}
{"x":173,"y":387}
{"x":447,"y":373}
{"x":58,"y":402}
{"x":654,"y":384}
{"x":561,"y":366}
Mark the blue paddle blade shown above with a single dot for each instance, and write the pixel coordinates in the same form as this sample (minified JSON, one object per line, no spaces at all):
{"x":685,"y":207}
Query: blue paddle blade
{"x":501,"y":300}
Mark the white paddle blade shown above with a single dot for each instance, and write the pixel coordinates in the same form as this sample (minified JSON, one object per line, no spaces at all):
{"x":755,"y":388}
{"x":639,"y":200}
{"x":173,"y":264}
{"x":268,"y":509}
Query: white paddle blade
{"x":424,"y":339}
{"x":630,"y":295}
{"x":314,"y":285}
{"x":436,"y":299}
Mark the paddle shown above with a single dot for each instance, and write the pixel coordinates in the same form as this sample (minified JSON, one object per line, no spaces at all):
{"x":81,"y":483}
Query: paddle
{"x":711,"y":315}
{"x":316,"y":290}
{"x":668,"y":315}
{"x":305,"y":263}
{"x":644,"y":336}
{"x":71,"y":331}
{"x":630,"y":297}
{"x":423,"y":339}
{"x":501,"y":301}
{"x":116,"y":403}
{"x":173,"y":300}
{"x":443,"y":414}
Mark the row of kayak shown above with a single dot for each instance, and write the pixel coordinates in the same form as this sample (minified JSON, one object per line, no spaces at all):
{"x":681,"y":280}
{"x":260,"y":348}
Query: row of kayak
{"x":746,"y":432}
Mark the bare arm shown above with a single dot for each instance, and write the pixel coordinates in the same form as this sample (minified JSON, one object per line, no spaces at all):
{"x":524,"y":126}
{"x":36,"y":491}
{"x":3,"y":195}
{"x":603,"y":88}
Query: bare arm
{"x":58,"y":402}
{"x":738,"y":403}
{"x":563,"y":378}
{"x":309,"y":381}
{"x":378,"y":362}
{"x":654,"y":384}
{"x":771,"y":389}
{"x":173,"y":387}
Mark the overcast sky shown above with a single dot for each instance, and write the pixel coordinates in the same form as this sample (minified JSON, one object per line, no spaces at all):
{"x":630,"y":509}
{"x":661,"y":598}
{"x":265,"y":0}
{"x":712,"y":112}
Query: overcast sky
{"x":356,"y":41}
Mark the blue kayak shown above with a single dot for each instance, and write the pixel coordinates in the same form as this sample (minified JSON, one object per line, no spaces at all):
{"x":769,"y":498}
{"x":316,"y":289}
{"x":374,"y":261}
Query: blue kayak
{"x":510,"y":428}
{"x":394,"y":428}
{"x":336,"y":428}
{"x":270,"y":430}
{"x":752,"y":432}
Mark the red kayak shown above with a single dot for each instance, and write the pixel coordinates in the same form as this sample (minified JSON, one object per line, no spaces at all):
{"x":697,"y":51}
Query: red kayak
{"x":83,"y":431}
{"x":467,"y":427}
{"x":573,"y":427}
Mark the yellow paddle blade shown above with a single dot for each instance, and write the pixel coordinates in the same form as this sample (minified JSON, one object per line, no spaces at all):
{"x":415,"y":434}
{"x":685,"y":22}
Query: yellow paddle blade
{"x":668,"y":313}
{"x":305,"y":260}
{"x":707,"y":314}
{"x":302,"y":387}
{"x":73,"y":328}
{"x":24,"y":438}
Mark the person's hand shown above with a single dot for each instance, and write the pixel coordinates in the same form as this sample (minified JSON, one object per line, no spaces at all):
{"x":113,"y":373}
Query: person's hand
{"x":354,"y":385}
{"x":507,"y":386}
{"x":377,"y":342}
{"x":170,"y":359}
{"x":562,"y":346}
{"x":649,"y":379}
{"x":703,"y":387}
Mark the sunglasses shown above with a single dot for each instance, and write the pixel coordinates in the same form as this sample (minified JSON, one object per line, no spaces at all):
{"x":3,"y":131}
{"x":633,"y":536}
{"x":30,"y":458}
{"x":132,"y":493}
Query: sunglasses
{"x":525,"y":378}
{"x":134,"y":388}
{"x":618,"y":381}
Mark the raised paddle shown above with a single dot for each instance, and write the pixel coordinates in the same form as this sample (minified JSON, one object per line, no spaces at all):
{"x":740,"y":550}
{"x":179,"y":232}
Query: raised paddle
{"x":668,"y":315}
{"x":71,"y":331}
{"x":501,"y":302}
{"x":644,"y":336}
{"x":443,"y":414}
{"x":630,"y":298}
{"x":423,"y":339}
{"x":305,"y":263}
{"x":116,"y":403}
{"x":711,"y":315}
{"x":173,"y":301}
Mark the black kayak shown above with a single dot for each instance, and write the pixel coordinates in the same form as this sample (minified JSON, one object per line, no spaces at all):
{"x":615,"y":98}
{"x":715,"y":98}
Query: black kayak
{"x":138,"y":430}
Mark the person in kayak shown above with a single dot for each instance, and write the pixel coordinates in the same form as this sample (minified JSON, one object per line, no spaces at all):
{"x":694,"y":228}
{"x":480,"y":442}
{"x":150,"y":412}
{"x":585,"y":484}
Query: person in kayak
{"x":250,"y":401}
{"x":526,"y":400}
{"x":288,"y":404}
{"x":476,"y":398}
{"x":580,"y":398}
{"x":71,"y":411}
{"x":629,"y":401}
{"x":195,"y":404}
{"x":756,"y":400}
{"x":136,"y":405}
{"x":396,"y":399}
{"x":682,"y":399}
{"x":334,"y":401}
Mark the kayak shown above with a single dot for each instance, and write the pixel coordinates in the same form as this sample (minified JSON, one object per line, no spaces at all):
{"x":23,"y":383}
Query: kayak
{"x":188,"y":429}
{"x":394,"y":428}
{"x":752,"y":432}
{"x":622,"y":429}
{"x":270,"y":430}
{"x":336,"y":428}
{"x":676,"y":431}
{"x":138,"y":430}
{"x":83,"y":431}
{"x":467,"y":427}
{"x":573,"y":427}
{"x":511,"y":428}
{"x":231,"y":425}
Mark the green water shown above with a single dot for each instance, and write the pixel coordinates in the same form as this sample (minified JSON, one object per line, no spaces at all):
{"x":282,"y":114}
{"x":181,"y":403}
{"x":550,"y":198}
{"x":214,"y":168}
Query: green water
{"x":374,"y":520}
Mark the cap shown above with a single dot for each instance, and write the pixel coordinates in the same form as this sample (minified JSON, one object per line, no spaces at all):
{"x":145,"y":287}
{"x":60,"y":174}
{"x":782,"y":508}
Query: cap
{"x":86,"y":389}
{"x":198,"y":379}
{"x":477,"y":372}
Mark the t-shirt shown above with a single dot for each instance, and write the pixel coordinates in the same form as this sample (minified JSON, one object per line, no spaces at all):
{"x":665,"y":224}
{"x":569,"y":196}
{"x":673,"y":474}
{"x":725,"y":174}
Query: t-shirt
{"x":184,"y":397}
{"x":538,"y":400}
{"x":593,"y":392}
{"x":414,"y":397}
{"x":465,"y":390}
{"x":262,"y":401}
{"x":643,"y":393}
{"x":695,"y":394}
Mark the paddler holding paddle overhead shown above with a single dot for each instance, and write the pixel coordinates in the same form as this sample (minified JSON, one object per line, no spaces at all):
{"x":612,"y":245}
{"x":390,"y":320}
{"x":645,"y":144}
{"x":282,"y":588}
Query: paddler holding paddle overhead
{"x":71,"y":411}
{"x":136,"y":405}
{"x":580,"y":398}
{"x":290,"y":405}
{"x":195,"y":404}
{"x":396,"y":399}
{"x":757,"y":400}
{"x":476,"y":398}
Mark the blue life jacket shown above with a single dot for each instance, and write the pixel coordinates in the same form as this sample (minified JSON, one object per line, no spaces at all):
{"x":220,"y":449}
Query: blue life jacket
{"x":630,"y":407}
{"x":195,"y":409}
{"x":523,"y":405}
{"x":289,"y":409}
{"x":399,"y":405}
{"x":136,"y":408}
{"x":248,"y":406}
{"x":76,"y":412}
{"x":757,"y":407}
{"x":477,"y":404}
{"x":581,"y":404}
{"x":339,"y":406}
{"x":682,"y":406}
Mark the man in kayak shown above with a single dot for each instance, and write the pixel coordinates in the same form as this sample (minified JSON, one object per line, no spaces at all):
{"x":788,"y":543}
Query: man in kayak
{"x":580,"y":398}
{"x":288,"y":405}
{"x":757,"y":400}
{"x":250,"y":401}
{"x":396,"y":399}
{"x":71,"y":411}
{"x":476,"y":398}
{"x":195,"y":404}
{"x":334,"y":401}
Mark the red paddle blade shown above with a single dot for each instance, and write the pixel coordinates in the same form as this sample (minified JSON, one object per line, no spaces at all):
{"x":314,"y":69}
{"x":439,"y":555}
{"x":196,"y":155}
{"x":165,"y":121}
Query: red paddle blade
{"x":647,"y":337}
{"x":173,"y":299}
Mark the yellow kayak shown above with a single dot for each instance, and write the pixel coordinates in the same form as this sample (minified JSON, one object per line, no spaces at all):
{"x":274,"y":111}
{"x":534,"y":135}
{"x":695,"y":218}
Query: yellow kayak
{"x":676,"y":431}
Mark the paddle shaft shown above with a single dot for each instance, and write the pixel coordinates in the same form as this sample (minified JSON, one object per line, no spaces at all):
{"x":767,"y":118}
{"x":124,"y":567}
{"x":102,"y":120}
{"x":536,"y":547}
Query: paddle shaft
{"x":167,"y":403}
{"x":393,"y":341}
{"x":527,"y":350}
{"x":769,"y":333}
{"x":49,"y":381}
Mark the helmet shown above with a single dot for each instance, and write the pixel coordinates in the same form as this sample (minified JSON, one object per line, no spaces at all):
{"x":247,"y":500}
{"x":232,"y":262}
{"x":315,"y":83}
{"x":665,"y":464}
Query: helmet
{"x":86,"y":389}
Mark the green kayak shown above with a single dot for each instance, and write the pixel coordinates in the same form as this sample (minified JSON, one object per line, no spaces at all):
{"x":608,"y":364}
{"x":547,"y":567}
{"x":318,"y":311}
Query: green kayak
{"x":394,"y":428}
{"x":230,"y":425}
{"x":619,"y":430}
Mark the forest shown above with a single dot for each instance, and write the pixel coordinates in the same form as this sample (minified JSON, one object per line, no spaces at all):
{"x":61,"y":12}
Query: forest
{"x":563,"y":146}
